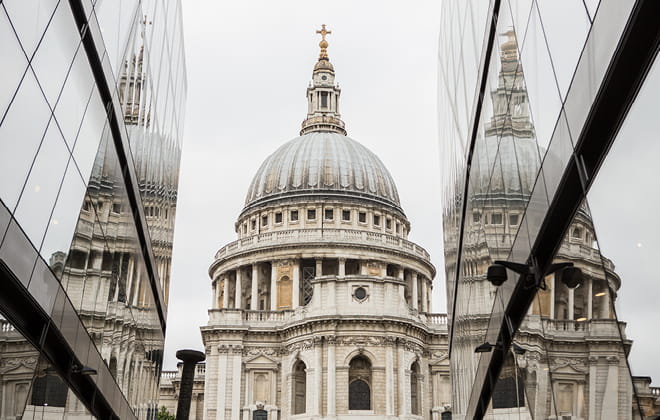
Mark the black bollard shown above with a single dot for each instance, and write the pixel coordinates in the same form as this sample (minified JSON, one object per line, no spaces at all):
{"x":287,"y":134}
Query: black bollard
{"x":190,"y":358}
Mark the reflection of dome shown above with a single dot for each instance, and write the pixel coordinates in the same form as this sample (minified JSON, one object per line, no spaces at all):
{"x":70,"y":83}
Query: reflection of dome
{"x":323,"y":163}
{"x":507,"y":165}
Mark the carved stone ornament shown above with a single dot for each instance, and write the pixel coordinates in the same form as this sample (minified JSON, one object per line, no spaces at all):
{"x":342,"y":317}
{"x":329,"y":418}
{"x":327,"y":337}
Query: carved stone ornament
{"x":577,"y":364}
{"x":7,"y":365}
{"x":230,"y":349}
{"x":261,"y":351}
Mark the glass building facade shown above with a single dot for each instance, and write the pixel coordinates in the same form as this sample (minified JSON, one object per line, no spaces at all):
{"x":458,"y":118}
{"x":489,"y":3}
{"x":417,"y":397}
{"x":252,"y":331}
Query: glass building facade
{"x":91,"y":118}
{"x":540,"y":104}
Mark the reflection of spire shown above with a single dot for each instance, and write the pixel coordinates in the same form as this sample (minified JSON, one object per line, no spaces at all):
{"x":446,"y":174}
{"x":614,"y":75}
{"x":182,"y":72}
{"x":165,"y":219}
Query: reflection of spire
{"x":510,"y":100}
{"x":132,"y":83}
{"x":323,"y":95}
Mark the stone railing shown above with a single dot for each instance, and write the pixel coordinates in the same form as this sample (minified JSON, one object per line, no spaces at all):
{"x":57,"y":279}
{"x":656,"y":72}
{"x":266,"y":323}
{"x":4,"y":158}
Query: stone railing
{"x":5,"y":326}
{"x":200,"y":370}
{"x":594,"y":327}
{"x":167,"y":376}
{"x":268,"y":239}
{"x":437,"y":319}
{"x":267,"y":316}
{"x":655,"y":391}
{"x":241,"y":318}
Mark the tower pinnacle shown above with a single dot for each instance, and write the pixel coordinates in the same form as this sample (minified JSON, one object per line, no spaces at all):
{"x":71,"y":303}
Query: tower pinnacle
{"x":323,"y":95}
{"x":323,"y":44}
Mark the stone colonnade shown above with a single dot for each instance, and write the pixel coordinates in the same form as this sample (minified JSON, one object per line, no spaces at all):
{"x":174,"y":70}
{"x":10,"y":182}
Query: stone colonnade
{"x":273,"y":296}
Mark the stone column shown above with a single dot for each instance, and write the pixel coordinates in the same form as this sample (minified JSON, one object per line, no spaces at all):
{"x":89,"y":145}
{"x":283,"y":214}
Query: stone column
{"x":221,"y":376}
{"x":593,"y":368}
{"x":273,"y":286}
{"x":551,"y":286}
{"x":254,"y":297}
{"x":342,"y":267}
{"x":413,"y":278}
{"x":190,"y":359}
{"x":590,"y":298}
{"x":402,"y":382}
{"x":580,"y":401}
{"x":605,"y":305}
{"x":610,"y":408}
{"x":318,"y":376}
{"x":236,"y":383}
{"x":296,"y":285}
{"x":319,"y":267}
{"x":424,"y":296}
{"x":402,"y":288}
{"x":571,"y":304}
{"x":237,"y":298}
{"x":214,"y":297}
{"x":332,"y":378}
{"x":246,"y":404}
{"x":389,"y":379}
{"x":225,"y":292}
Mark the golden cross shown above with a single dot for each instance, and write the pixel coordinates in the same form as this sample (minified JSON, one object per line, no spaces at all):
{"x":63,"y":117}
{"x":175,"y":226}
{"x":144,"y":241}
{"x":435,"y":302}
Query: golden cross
{"x":323,"y":32}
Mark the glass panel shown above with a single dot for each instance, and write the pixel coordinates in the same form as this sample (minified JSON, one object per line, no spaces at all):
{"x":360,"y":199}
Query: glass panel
{"x":21,"y":133}
{"x":53,"y":58}
{"x":566,"y":25}
{"x":115,"y":19}
{"x":93,"y":127}
{"x":74,"y":97}
{"x":43,"y":185}
{"x":14,"y":63}
{"x":540,"y":82}
{"x":622,"y":200}
{"x":65,"y":215}
{"x":30,"y":18}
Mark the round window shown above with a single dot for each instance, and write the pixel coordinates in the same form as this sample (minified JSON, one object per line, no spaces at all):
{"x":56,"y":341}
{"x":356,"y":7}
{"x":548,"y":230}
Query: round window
{"x":324,"y":77}
{"x":360,"y":293}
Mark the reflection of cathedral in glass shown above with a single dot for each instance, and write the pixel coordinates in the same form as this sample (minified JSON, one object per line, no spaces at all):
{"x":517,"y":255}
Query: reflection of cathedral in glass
{"x":569,"y":356}
{"x":82,"y":330}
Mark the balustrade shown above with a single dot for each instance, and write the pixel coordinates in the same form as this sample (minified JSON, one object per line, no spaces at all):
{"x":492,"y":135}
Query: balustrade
{"x":322,"y":235}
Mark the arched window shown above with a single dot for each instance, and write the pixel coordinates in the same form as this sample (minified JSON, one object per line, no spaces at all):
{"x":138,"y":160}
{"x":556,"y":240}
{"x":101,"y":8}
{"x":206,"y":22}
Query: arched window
{"x":299,"y":391}
{"x":359,"y":384}
{"x":414,"y":389}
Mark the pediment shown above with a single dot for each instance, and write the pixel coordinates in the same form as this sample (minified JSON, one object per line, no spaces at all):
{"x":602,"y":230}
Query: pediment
{"x":261,"y":362}
{"x":567,"y":370}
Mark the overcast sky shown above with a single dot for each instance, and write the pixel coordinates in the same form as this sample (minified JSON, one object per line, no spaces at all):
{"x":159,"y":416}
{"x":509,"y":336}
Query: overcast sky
{"x":248,"y":66}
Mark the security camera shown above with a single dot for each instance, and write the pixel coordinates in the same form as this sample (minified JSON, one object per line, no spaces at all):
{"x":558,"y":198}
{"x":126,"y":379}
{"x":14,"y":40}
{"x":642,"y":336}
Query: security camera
{"x":496,"y":274}
{"x":571,"y":276}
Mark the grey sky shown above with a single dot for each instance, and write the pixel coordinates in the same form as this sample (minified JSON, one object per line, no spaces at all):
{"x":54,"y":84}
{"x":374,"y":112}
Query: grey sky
{"x":249,"y":64}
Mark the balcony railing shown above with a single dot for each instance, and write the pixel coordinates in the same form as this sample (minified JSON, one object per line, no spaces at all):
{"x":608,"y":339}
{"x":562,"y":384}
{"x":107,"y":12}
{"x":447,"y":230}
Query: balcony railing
{"x":244,"y":317}
{"x":437,"y":319}
{"x":169,"y":374}
{"x":593,"y":327}
{"x":268,"y":239}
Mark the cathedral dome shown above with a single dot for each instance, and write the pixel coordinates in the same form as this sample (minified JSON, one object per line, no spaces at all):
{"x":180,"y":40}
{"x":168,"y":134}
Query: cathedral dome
{"x":323,"y":163}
